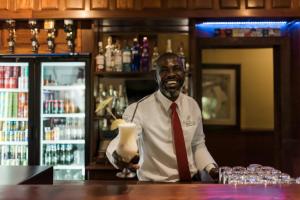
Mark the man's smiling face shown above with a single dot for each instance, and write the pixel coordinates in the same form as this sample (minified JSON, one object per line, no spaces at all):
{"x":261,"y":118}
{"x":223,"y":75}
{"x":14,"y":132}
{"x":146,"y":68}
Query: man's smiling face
{"x":170,"y":75}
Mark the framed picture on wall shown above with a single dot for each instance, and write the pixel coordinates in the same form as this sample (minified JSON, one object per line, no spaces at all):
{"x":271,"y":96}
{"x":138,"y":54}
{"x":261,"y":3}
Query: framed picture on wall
{"x":221,"y":95}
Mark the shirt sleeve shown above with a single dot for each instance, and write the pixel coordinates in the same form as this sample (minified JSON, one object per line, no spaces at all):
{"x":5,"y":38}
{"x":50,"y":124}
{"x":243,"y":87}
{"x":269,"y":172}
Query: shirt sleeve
{"x":202,"y":156}
{"x":127,"y":117}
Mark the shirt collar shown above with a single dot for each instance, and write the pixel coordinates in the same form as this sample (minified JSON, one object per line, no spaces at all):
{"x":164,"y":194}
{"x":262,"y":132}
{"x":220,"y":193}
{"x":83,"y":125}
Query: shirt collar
{"x":166,"y":103}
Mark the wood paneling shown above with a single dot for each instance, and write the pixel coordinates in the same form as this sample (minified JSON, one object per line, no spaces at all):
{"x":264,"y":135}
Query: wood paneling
{"x":151,"y":4}
{"x":4,"y":4}
{"x":201,"y":4}
{"x":49,"y":4}
{"x":281,"y":3}
{"x":99,"y":4}
{"x":224,"y":4}
{"x":24,"y":4}
{"x":125,"y":4}
{"x":75,"y":4}
{"x":255,"y":3}
{"x":177,"y":4}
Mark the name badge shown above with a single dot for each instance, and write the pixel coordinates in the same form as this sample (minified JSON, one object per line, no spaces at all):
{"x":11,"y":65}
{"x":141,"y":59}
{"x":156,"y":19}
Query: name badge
{"x":189,"y":122}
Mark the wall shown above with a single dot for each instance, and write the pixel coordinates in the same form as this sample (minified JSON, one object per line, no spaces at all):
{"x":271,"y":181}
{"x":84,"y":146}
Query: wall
{"x":257,"y":91}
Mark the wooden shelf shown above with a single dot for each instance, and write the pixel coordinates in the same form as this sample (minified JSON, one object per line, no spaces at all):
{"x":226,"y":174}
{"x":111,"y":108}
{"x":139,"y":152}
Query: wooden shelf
{"x":127,"y":75}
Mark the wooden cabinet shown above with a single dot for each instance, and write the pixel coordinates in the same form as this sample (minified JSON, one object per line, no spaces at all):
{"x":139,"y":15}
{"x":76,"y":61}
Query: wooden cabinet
{"x":75,"y":4}
{"x":4,"y":4}
{"x":255,"y":3}
{"x":49,"y":4}
{"x":85,"y":9}
{"x":24,"y":4}
{"x":99,"y":4}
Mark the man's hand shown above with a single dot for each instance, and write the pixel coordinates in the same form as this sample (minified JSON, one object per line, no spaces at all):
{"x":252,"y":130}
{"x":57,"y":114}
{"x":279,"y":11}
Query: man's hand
{"x":119,"y":162}
{"x":214,"y":173}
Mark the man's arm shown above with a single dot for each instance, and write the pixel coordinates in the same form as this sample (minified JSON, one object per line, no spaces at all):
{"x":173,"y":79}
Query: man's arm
{"x":203,"y":159}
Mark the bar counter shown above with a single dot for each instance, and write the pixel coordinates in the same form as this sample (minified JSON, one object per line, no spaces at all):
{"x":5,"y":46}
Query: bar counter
{"x":122,"y":191}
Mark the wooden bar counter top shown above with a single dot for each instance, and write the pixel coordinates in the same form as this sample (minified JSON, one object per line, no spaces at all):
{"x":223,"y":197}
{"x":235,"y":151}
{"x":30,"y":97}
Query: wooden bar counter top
{"x":141,"y":191}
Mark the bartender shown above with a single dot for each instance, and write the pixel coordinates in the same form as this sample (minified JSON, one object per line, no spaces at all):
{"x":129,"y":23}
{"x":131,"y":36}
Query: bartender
{"x":171,"y":142}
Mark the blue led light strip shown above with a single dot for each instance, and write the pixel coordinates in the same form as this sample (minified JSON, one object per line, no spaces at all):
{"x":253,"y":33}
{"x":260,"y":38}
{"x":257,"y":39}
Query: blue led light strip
{"x":244,"y":23}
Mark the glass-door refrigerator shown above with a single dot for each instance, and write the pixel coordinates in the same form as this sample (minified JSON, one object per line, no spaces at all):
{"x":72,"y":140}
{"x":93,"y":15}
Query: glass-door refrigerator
{"x":14,"y":112}
{"x":63,"y":115}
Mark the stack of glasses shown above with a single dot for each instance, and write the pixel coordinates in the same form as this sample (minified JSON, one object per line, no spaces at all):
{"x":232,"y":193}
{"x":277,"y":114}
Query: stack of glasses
{"x":254,"y":174}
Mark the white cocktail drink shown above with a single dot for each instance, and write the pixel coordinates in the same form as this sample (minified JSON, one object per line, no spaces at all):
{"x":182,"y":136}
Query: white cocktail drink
{"x":127,"y":146}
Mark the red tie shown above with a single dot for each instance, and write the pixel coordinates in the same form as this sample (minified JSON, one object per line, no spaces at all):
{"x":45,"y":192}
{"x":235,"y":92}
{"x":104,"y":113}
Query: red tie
{"x":182,"y":161}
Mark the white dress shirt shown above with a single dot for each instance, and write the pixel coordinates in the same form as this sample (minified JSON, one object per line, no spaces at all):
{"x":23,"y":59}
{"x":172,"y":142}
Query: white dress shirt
{"x":155,"y":139}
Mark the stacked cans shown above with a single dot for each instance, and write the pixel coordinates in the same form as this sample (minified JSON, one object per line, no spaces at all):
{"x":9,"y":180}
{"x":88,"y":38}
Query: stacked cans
{"x":14,"y":104}
{"x":13,"y":131}
{"x":14,"y":77}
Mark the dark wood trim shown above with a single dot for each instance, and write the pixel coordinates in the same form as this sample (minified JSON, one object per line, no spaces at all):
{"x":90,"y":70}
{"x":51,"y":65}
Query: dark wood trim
{"x":257,"y":4}
{"x":155,"y":13}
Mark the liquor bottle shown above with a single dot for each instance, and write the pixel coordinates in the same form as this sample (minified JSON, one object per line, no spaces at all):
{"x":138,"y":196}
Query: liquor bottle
{"x":186,"y":85}
{"x":118,"y":57}
{"x":114,"y":101}
{"x":122,"y":102}
{"x":103,"y":125}
{"x":101,"y":97}
{"x":181,"y":55}
{"x":169,"y":46}
{"x":145,"y":55}
{"x":109,"y":58}
{"x":126,"y":56}
{"x":100,"y":60}
{"x":155,"y":56}
{"x":136,"y":56}
{"x":110,"y":94}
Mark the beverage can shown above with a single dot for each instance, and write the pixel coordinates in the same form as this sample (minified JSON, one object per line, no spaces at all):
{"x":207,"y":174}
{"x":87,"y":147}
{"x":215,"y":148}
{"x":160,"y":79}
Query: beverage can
{"x":6,"y":82}
{"x":1,"y":71}
{"x":15,"y":71}
{"x":1,"y":82}
{"x":46,"y":105}
{"x":6,"y":71}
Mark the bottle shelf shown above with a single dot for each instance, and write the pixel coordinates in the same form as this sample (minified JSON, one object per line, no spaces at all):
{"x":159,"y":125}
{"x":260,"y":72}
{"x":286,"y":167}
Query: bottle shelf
{"x":13,"y":90}
{"x":69,"y":115}
{"x":14,"y":143}
{"x":63,"y":141}
{"x":81,"y":167}
{"x":64,"y":87}
{"x":8,"y":119}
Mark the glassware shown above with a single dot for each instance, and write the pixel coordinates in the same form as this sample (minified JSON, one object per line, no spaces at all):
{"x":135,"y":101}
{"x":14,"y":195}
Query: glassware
{"x":127,"y":147}
{"x":222,"y":171}
{"x":254,"y":174}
